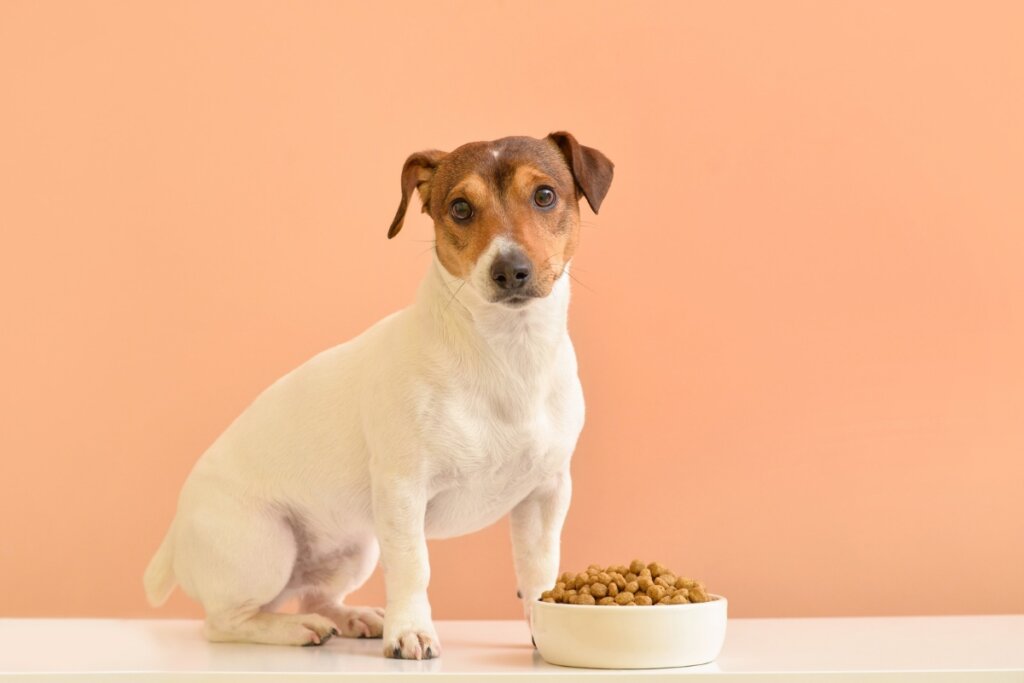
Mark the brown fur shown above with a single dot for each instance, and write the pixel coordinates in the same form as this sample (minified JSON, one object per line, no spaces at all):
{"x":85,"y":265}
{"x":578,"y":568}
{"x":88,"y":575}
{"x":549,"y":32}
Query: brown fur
{"x":501,"y":190}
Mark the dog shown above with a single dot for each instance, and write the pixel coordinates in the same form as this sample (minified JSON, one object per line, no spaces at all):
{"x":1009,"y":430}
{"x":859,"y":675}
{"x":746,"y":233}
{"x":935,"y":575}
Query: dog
{"x":435,"y":422}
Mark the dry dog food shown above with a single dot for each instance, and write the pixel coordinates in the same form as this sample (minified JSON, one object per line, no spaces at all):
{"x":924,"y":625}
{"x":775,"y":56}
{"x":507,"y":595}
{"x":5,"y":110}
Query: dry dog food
{"x":637,"y":584}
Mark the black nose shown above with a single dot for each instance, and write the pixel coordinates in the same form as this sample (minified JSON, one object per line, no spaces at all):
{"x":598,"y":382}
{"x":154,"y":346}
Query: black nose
{"x":511,"y":270}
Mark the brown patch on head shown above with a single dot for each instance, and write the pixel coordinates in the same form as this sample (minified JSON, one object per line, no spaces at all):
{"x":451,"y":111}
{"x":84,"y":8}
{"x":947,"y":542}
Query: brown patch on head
{"x":549,"y":236}
{"x":499,"y":180}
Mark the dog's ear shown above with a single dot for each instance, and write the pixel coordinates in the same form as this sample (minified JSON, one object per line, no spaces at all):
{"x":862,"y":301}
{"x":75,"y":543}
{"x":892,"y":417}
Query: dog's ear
{"x":416,"y":175}
{"x":592,"y":170}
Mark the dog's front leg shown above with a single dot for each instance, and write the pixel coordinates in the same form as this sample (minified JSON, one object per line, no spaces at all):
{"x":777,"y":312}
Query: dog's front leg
{"x":536,"y":530}
{"x":399,"y":506}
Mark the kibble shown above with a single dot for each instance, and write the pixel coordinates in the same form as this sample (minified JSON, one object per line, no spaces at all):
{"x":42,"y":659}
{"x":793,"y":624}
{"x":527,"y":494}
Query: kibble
{"x":655,"y":593}
{"x":637,"y":584}
{"x":657,"y":569}
{"x":698,"y":594}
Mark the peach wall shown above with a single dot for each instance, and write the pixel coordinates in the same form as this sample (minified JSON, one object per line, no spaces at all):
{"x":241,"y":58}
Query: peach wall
{"x":800,"y":337}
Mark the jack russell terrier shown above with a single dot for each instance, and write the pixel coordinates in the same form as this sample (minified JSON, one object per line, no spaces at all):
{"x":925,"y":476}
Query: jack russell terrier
{"x":433,"y":423}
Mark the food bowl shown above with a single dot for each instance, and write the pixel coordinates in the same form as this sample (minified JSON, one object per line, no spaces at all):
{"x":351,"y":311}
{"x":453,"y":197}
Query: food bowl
{"x":643,"y":637}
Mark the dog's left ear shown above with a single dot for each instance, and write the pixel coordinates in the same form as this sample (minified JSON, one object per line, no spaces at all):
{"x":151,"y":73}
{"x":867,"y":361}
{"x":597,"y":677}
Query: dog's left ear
{"x":416,"y":175}
{"x":591,"y":169}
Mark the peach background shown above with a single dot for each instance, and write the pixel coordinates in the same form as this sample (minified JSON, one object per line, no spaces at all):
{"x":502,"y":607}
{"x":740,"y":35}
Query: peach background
{"x":800,"y":338}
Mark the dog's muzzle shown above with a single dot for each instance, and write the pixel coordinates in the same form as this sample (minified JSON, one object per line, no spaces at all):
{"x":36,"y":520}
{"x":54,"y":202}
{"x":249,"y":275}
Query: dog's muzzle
{"x":512,"y":275}
{"x":511,"y":270}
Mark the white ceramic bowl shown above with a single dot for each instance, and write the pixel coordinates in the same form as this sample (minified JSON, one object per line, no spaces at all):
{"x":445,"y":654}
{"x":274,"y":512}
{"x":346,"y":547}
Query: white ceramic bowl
{"x":642,"y":637}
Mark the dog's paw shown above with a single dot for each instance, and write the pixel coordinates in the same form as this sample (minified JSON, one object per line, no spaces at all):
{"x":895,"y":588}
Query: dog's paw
{"x":413,"y":644}
{"x":359,"y":622}
{"x":271,"y":628}
{"x":321,"y":628}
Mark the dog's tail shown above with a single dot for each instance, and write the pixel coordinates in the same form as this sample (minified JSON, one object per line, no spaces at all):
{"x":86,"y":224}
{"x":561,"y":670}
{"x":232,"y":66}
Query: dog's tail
{"x":159,"y":577}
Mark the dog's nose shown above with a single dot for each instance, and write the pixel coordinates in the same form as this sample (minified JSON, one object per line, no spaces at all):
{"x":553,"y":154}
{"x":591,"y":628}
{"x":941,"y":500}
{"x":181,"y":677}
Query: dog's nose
{"x":511,"y":270}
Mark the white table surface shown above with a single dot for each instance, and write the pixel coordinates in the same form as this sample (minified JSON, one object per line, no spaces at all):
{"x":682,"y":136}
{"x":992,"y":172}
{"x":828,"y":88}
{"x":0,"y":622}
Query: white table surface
{"x":983,"y":648}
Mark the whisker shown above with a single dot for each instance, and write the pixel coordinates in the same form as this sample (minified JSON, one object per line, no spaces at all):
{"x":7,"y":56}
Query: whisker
{"x":457,"y":290}
{"x":577,"y":280}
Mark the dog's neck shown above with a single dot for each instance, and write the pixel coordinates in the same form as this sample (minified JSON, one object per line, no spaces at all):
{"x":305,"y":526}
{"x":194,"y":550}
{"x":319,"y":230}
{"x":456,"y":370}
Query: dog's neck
{"x":525,"y":338}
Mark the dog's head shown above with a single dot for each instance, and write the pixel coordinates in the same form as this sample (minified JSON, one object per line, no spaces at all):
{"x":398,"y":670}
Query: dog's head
{"x":506,"y":213}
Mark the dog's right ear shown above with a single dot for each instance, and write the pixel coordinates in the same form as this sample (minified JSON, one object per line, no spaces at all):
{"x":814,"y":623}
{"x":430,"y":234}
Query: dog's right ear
{"x":592,"y":170}
{"x":416,"y":174}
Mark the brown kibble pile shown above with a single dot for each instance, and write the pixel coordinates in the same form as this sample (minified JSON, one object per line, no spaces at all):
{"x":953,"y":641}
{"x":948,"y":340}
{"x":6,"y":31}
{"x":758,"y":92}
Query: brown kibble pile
{"x":637,"y":584}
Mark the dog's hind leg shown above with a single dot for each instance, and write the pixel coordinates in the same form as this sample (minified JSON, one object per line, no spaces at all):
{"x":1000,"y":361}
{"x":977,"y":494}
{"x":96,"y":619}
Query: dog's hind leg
{"x":244,"y":626}
{"x":237,"y":562}
{"x":353,"y":567}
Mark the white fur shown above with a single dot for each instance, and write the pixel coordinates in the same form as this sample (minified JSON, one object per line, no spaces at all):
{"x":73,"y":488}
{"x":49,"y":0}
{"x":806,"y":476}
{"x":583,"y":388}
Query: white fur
{"x":435,"y":422}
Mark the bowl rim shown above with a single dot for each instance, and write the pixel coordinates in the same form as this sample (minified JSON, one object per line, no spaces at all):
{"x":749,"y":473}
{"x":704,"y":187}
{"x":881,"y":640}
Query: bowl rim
{"x":686,"y":605}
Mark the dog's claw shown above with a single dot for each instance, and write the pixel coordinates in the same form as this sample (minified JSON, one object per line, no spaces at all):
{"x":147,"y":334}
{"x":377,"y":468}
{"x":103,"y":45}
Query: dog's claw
{"x":321,"y":641}
{"x":397,"y":653}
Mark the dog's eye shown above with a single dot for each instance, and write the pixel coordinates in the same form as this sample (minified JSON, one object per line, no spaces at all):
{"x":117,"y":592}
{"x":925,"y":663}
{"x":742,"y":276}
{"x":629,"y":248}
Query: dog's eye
{"x":544,"y":197}
{"x":461,"y":210}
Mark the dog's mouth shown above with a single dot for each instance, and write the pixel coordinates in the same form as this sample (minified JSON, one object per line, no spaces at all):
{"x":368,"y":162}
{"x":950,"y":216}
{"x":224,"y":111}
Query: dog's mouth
{"x":517,"y":299}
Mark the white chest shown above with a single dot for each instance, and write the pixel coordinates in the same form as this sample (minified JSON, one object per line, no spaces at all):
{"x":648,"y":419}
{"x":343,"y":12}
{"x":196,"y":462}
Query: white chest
{"x":491,"y":459}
